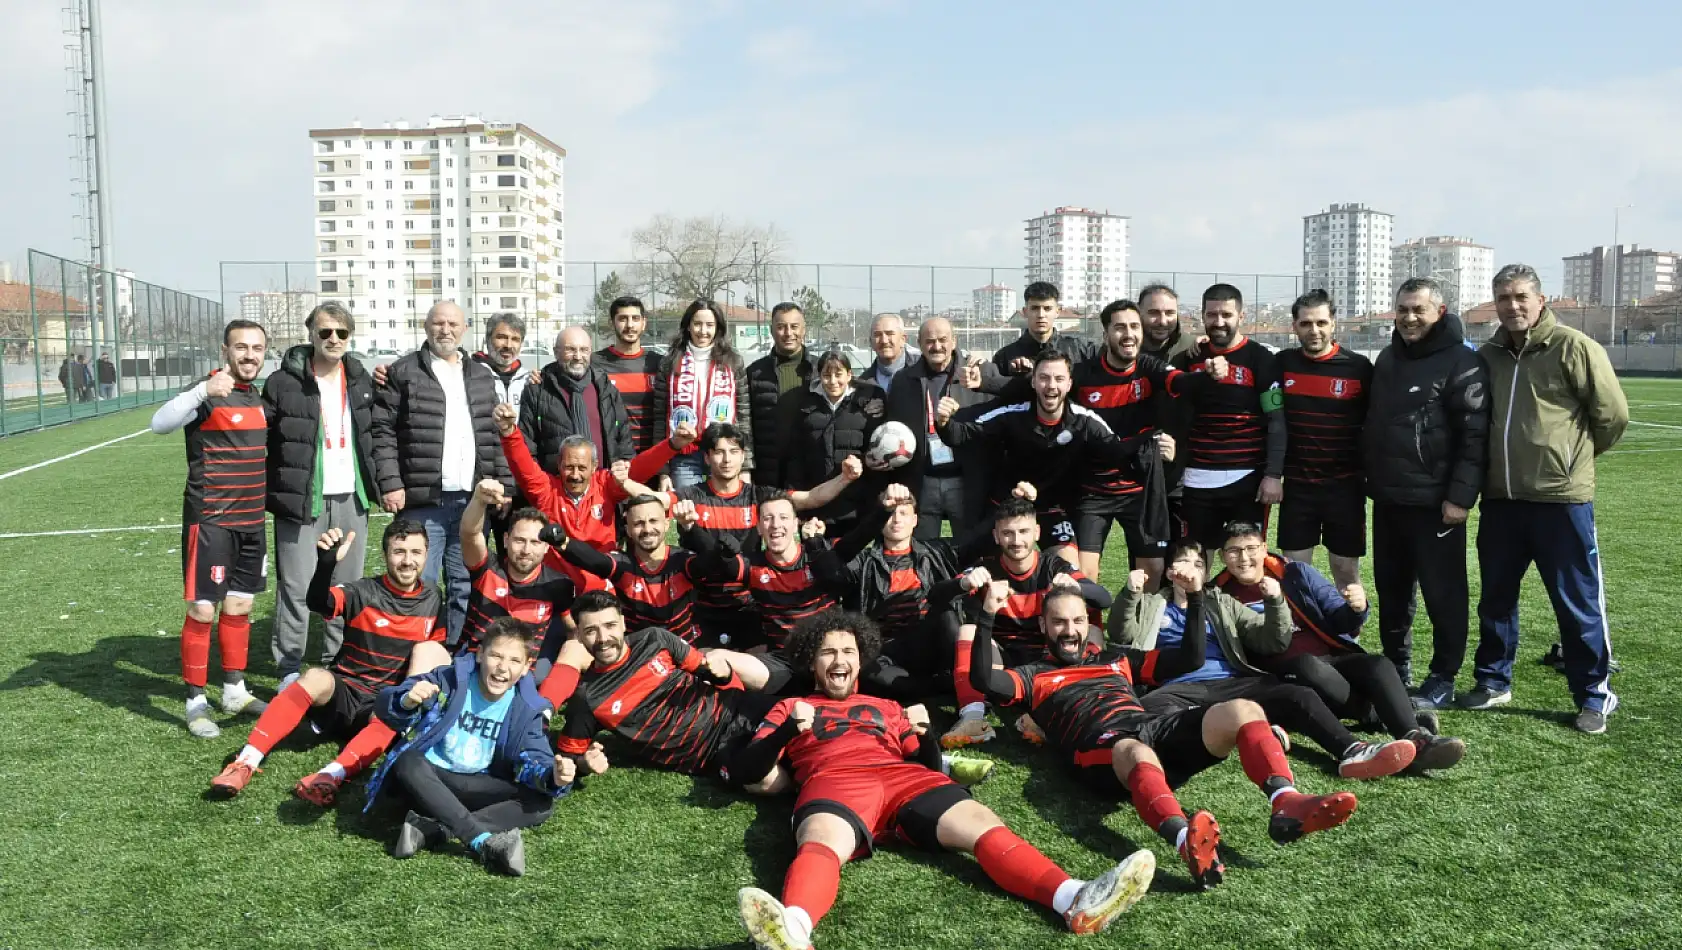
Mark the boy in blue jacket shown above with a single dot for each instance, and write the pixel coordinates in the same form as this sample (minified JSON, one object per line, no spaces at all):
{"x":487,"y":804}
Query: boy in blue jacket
{"x":472,"y":757}
{"x":1324,"y":653}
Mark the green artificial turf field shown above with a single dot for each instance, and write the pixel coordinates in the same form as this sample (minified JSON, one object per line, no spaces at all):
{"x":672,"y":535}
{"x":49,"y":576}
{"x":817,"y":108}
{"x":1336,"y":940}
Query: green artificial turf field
{"x":1541,"y":838}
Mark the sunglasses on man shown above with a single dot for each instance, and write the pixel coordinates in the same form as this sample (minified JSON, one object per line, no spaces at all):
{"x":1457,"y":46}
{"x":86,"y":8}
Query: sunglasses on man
{"x":327,"y":333}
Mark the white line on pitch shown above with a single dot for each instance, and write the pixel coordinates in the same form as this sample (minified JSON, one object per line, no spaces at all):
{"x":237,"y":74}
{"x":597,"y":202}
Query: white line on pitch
{"x":139,"y":527}
{"x":1642,"y":451}
{"x":31,"y":468}
{"x":1656,"y":425}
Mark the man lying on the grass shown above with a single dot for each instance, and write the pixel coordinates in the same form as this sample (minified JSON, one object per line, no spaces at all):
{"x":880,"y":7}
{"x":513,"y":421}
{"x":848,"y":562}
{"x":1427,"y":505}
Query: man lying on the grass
{"x":391,"y":632}
{"x":1084,"y":698}
{"x":474,"y":762}
{"x":869,"y":773}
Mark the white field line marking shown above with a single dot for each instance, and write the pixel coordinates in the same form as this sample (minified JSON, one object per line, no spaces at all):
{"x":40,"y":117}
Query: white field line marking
{"x":139,"y":527}
{"x":1642,"y":451}
{"x":31,"y":468}
{"x":1633,"y":422}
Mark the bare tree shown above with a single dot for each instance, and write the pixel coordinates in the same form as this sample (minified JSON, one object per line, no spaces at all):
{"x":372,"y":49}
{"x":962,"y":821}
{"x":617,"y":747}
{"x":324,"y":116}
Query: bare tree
{"x":699,"y":257}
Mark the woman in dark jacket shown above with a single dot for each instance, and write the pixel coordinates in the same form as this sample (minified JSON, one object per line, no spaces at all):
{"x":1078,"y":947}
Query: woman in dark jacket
{"x":702,"y":380}
{"x":834,"y":417}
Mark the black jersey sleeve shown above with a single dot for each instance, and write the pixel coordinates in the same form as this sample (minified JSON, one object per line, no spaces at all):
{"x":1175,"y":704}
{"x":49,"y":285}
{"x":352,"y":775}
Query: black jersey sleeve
{"x":1151,"y":667}
{"x":580,"y":727}
{"x":714,"y":558}
{"x":756,"y":759}
{"x":588,"y":559}
{"x":1001,"y":687}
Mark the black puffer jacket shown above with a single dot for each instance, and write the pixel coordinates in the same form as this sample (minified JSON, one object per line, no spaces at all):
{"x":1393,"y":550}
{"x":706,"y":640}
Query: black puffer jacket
{"x":408,"y":427}
{"x":292,"y":401}
{"x":770,"y":415}
{"x":1427,"y":427}
{"x":546,"y":421}
{"x":822,"y":437}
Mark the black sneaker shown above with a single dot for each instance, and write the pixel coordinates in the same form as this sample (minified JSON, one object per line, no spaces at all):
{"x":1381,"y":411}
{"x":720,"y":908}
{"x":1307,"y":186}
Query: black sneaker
{"x":1485,"y":698}
{"x":1435,"y":752}
{"x":505,"y":853}
{"x":1593,"y":721}
{"x":1555,"y":657}
{"x":417,"y":833}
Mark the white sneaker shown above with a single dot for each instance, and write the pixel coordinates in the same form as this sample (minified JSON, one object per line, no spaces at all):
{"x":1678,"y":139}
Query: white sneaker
{"x":767,"y":921}
{"x":286,"y":681}
{"x":968,"y":730}
{"x":199,"y":722}
{"x":1101,"y":901}
{"x":238,"y":699}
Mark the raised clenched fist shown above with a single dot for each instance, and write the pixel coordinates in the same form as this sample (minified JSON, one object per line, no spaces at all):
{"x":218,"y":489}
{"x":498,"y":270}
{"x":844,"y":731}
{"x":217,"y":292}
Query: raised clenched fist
{"x":506,"y":418}
{"x":945,"y":410}
{"x":812,"y":528}
{"x":565,"y":771}
{"x":1217,"y":368}
{"x":1026,"y":491}
{"x":489,"y":492}
{"x":685,"y":515}
{"x":975,"y":579}
{"x":683,"y":436}
{"x":420,"y":694}
{"x":1356,"y":595}
{"x":918,"y":716}
{"x":1136,"y":581}
{"x":995,"y":596}
{"x":1270,"y":588}
{"x":595,"y":758}
{"x":852,"y":469}
{"x":895,"y":495}
{"x":802,"y":715}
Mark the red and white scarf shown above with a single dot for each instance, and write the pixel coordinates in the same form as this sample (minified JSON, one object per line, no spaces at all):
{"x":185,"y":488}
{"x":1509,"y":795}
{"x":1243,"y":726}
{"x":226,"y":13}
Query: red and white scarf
{"x":707,"y":401}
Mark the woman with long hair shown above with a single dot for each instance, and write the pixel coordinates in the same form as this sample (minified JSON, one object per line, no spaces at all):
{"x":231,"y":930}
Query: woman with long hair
{"x":833,"y":419}
{"x":702,"y":381}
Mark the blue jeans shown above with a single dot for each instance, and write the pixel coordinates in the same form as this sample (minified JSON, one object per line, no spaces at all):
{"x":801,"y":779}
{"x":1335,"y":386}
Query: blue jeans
{"x":688,"y":470}
{"x":1560,"y":540}
{"x":443,"y":555}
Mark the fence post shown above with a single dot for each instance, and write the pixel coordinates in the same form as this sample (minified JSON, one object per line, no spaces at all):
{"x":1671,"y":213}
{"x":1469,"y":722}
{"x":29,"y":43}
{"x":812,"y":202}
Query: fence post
{"x":931,"y":290}
{"x":35,"y":344}
{"x":870,"y":278}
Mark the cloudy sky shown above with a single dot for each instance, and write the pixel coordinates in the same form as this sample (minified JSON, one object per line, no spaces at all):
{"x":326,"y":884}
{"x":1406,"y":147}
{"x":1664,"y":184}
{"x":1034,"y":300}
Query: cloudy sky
{"x":882,"y":131}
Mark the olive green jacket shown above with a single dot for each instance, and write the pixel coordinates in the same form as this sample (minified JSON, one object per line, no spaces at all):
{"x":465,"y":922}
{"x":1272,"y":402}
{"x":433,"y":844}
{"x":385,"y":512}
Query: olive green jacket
{"x":1555,"y":405}
{"x":1137,"y":617}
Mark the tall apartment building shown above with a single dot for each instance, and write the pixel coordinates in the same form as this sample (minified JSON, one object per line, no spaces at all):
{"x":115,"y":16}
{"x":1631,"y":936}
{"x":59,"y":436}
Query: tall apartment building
{"x":1083,"y":252}
{"x":1346,"y":252}
{"x":1463,"y":267}
{"x":1641,"y":273}
{"x":462,"y":209}
{"x":282,"y":314}
{"x":993,"y":304}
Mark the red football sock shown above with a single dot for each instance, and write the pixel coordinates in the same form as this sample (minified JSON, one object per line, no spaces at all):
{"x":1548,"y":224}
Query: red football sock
{"x":1263,"y":759}
{"x":195,"y":652}
{"x":557,"y":687}
{"x":365,"y":746}
{"x":812,"y":880}
{"x":1018,"y":866}
{"x":967,"y":694}
{"x":233,"y":636}
{"x":1152,"y":798}
{"x":282,"y":716}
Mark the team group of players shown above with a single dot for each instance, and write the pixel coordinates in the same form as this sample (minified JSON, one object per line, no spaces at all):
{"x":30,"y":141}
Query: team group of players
{"x":769,"y":653}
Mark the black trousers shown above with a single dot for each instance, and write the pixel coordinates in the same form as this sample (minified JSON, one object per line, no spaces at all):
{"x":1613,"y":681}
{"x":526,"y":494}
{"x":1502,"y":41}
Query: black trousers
{"x":1291,"y":705}
{"x":468,"y":805}
{"x":1412,"y":548}
{"x":1352,"y":684}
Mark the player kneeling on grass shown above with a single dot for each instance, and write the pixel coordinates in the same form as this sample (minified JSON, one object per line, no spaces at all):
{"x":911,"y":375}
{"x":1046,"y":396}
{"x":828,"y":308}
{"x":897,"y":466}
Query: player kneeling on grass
{"x":849,"y":755}
{"x":474,"y":761}
{"x":391,"y":632}
{"x":1084,"y":698}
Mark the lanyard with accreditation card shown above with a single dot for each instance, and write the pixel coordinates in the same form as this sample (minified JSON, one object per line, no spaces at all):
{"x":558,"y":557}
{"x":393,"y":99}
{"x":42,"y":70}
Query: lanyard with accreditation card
{"x":939,"y":452}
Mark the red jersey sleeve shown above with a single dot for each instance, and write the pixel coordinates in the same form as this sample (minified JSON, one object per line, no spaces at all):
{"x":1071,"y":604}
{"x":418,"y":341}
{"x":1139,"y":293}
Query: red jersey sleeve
{"x":532,"y":480}
{"x":649,"y":462}
{"x":776,"y":717}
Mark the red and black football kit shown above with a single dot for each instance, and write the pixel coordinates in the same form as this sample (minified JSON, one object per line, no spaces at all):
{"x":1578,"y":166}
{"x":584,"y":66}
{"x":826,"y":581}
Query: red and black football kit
{"x":1017,"y":625}
{"x":853,"y":764}
{"x":1237,"y":437}
{"x":661,"y":594}
{"x":786,"y":594}
{"x":1325,"y":400}
{"x":724,"y":610}
{"x":536,"y":601}
{"x":663,"y":699}
{"x":382,"y":625}
{"x":1087,"y":706}
{"x":633,"y":375}
{"x":223,"y":548}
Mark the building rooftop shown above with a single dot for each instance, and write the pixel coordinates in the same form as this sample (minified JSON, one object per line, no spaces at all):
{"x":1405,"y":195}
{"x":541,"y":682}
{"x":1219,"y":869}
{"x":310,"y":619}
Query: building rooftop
{"x":1439,"y":241}
{"x":466,"y":125}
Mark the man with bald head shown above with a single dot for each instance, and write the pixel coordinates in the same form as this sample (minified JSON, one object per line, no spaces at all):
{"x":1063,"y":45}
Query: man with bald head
{"x":434,"y":440}
{"x":887,"y":338}
{"x":574,"y":396}
{"x":946,"y":488}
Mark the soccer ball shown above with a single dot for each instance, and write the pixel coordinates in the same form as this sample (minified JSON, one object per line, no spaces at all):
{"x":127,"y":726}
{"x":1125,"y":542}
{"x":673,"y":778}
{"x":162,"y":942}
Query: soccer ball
{"x":891,"y":446}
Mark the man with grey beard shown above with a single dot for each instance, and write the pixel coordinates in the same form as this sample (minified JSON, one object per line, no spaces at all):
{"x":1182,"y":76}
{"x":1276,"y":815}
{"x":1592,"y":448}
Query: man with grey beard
{"x":946,"y":489}
{"x":573,"y":397}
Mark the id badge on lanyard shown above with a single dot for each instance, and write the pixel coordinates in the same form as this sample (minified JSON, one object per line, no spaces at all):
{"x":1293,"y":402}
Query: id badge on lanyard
{"x":939,"y":452}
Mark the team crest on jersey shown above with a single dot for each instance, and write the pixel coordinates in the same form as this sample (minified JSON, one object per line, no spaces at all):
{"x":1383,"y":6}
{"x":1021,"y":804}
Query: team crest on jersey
{"x":237,"y":417}
{"x":502,"y":592}
{"x":381,"y":622}
{"x":1338,"y":386}
{"x":1094,"y":396}
{"x":596,"y":512}
{"x":1064,"y":437}
{"x":541,"y":610}
{"x":218,"y":574}
{"x":638,"y":587}
{"x":765,"y":577}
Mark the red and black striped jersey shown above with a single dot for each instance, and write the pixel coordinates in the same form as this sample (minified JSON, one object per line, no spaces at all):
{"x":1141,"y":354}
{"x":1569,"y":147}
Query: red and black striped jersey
{"x":382,"y":624}
{"x":1077,"y":704}
{"x":858,"y":732}
{"x":1325,"y":407}
{"x":1228,"y":431}
{"x":1130,"y":402}
{"x":658,"y":698}
{"x":786,"y":593}
{"x":661,"y":594}
{"x":732,"y":516}
{"x":227,"y":461}
{"x":633,"y":376}
{"x":494,"y":593}
{"x":1016,"y":627}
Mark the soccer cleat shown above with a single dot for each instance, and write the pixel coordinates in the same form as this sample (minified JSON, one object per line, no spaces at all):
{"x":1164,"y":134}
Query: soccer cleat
{"x":968,"y":771}
{"x":1099,"y":902}
{"x":1283,"y":737}
{"x":1366,"y":760}
{"x":1435,"y":752}
{"x":1428,"y":721}
{"x":319,"y":789}
{"x":1555,"y":657}
{"x":1485,"y":698}
{"x":417,"y":833}
{"x":232,"y":779}
{"x":766,"y":920}
{"x":1296,"y":814}
{"x":199,"y":722}
{"x":1593,"y":721}
{"x":1030,"y":730}
{"x":1434,"y":693}
{"x":1201,"y":852}
{"x":238,"y":699}
{"x":968,"y":730}
{"x":505,"y":853}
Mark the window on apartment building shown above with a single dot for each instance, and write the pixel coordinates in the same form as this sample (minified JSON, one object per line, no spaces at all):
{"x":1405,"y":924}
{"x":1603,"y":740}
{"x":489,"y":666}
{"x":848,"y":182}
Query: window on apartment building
{"x":329,"y":247}
{"x":484,"y":240}
{"x":484,"y":281}
{"x":505,"y":161}
{"x":432,"y":144}
{"x":451,"y":242}
{"x":408,"y":224}
{"x":370,"y":245}
{"x":449,"y":163}
{"x":329,"y":286}
{"x":388,"y":184}
{"x":408,"y":185}
{"x":330,"y":267}
{"x":324,"y":146}
{"x":451,"y":282}
{"x":328,"y":227}
{"x":389,"y":245}
{"x":523,"y":181}
{"x":389,"y":225}
{"x":506,"y":240}
{"x":390,"y":265}
{"x":408,"y":145}
{"x":324,"y":206}
{"x":450,"y":203}
{"x":525,"y":263}
{"x":506,"y":221}
{"x":510,"y":303}
{"x":370,"y":166}
{"x":373,"y":304}
{"x":388,"y":144}
{"x":434,"y":224}
{"x":449,"y":222}
{"x":484,"y":200}
{"x":525,"y":242}
{"x":505,"y":181}
{"x":388,"y":204}
{"x":507,"y":261}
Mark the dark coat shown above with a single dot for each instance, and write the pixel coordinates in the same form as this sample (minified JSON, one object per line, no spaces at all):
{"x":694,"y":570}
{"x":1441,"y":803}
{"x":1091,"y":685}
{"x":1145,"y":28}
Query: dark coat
{"x":663,"y":398}
{"x":906,"y":404}
{"x":1427,"y":428}
{"x":821,"y":439}
{"x":771,"y":415}
{"x":292,"y":401}
{"x":408,"y":428}
{"x":546,"y":421}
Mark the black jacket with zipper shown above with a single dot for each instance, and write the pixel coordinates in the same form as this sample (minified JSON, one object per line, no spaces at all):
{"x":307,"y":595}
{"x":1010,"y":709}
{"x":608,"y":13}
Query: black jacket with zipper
{"x":547,"y":422}
{"x":292,"y":401}
{"x":1427,"y":427}
{"x":408,"y":429}
{"x":770,"y":415}
{"x":822,"y":437}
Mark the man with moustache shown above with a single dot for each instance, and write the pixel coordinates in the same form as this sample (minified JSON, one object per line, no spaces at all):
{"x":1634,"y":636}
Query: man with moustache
{"x":575,"y":398}
{"x":787,"y":368}
{"x":887,"y":338}
{"x":631,"y":368}
{"x":1159,"y":311}
{"x":504,"y":337}
{"x":948,"y":483}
